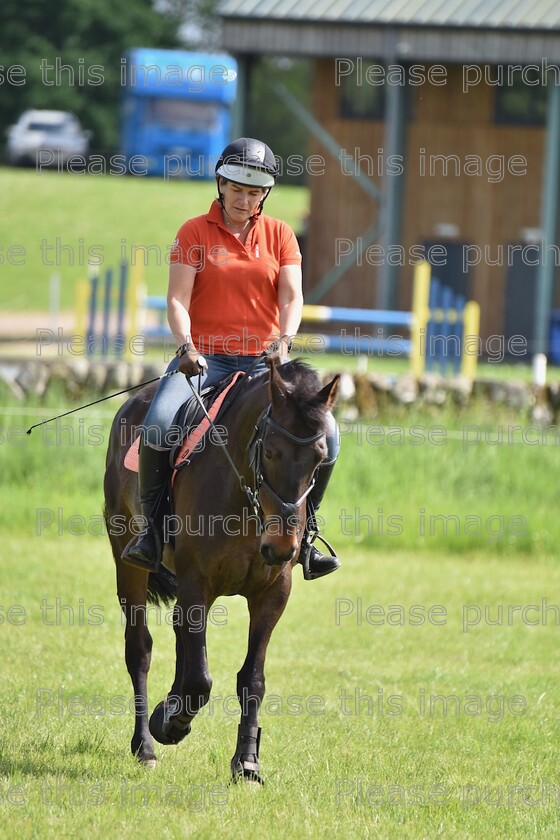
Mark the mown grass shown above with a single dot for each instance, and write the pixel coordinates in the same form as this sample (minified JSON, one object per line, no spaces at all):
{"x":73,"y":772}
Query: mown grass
{"x":62,"y":219}
{"x":346,"y":747}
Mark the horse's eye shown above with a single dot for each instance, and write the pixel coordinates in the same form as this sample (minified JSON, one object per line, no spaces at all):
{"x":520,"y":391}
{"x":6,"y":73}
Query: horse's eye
{"x":268,"y":454}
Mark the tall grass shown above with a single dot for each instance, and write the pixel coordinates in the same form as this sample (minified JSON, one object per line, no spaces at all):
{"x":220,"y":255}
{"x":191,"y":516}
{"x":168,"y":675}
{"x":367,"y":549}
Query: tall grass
{"x":449,"y":495}
{"x":445,"y":482}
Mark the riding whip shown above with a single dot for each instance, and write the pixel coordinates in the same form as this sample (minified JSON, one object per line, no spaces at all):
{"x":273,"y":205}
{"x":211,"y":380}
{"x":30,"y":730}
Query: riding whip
{"x":102,"y":399}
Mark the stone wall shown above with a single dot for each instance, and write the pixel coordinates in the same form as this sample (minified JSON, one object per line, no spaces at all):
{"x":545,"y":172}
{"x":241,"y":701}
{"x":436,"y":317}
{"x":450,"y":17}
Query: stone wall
{"x":361,"y":394}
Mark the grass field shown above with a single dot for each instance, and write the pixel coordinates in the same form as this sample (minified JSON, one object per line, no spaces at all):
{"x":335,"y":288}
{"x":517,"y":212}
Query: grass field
{"x":455,"y":481}
{"x":61,"y":220}
{"x":413,"y":694}
{"x":352,"y":744}
{"x":54,"y":223}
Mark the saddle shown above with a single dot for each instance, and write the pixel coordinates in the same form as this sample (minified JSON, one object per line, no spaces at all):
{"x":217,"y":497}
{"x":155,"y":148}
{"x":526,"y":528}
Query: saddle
{"x":192,"y":423}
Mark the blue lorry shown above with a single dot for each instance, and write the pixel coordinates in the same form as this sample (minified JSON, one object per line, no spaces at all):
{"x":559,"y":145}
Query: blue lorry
{"x":177,"y":110}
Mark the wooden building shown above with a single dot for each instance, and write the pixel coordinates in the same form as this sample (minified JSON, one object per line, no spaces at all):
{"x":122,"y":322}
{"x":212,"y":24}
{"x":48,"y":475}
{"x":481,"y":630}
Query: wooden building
{"x":452,"y":112}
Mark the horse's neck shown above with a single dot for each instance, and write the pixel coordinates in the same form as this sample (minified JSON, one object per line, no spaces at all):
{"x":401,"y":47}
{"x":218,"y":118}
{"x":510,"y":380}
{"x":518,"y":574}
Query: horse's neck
{"x":245,"y":414}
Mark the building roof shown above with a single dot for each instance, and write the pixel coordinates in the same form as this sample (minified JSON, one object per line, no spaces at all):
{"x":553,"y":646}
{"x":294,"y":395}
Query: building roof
{"x":480,"y":14}
{"x":484,"y":30}
{"x":484,"y":14}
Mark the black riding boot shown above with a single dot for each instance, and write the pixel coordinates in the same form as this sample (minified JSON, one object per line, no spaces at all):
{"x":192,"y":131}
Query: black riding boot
{"x":145,"y":552}
{"x":315,"y":564}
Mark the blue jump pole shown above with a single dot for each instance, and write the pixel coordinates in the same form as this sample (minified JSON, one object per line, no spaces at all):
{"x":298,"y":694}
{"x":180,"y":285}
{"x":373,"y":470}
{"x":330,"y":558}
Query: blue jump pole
{"x":90,"y":335}
{"x":459,"y":329}
{"x":431,"y":327}
{"x":446,"y":329}
{"x":119,"y":335}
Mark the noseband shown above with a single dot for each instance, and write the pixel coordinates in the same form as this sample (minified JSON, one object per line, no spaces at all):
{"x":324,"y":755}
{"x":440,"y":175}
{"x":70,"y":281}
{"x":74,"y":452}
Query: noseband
{"x":255,"y":449}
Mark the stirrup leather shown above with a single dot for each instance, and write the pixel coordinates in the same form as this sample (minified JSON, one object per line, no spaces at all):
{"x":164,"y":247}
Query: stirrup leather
{"x":307,"y":574}
{"x":311,"y":534}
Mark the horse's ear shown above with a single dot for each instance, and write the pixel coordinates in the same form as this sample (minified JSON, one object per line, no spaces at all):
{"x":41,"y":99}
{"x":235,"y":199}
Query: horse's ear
{"x":327,"y":395}
{"x":277,"y":386}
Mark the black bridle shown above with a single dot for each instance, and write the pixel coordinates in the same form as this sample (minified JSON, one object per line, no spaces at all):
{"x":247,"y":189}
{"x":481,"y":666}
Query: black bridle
{"x":255,"y":457}
{"x":255,"y":450}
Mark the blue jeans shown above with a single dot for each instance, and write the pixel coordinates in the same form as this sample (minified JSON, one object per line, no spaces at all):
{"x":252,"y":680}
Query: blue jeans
{"x":173,"y":391}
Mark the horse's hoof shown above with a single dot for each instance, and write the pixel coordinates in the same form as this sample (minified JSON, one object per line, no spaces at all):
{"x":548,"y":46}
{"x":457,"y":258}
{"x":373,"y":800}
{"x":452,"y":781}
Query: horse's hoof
{"x":251,"y":784}
{"x":166,"y":729}
{"x":148,"y":763}
{"x":143,"y":753}
{"x":250,"y":781}
{"x":248,"y":778}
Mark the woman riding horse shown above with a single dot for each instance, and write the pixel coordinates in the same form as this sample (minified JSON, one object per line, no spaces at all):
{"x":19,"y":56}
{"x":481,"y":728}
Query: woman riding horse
{"x":275,"y":427}
{"x":235,"y":288}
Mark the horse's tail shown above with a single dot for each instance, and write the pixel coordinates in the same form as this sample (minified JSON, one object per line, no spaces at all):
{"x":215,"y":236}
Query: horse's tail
{"x":162,"y":586}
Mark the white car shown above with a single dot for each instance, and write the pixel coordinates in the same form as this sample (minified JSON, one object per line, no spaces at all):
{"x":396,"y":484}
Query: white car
{"x":46,"y":138}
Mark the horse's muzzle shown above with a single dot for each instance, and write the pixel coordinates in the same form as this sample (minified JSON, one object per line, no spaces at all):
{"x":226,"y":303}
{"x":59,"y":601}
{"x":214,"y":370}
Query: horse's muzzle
{"x":273,"y":556}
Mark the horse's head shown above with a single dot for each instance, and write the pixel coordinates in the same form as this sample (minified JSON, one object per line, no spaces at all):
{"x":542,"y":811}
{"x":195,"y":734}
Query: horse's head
{"x":291,"y":445}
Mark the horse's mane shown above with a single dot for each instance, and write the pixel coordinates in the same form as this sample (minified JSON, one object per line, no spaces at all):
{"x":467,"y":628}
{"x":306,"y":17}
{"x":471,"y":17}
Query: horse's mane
{"x":304,"y":379}
{"x":304,"y":385}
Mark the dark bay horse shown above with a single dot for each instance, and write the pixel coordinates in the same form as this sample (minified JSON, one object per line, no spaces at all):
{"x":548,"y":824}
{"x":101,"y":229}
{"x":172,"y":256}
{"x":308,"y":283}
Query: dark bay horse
{"x":279,"y":418}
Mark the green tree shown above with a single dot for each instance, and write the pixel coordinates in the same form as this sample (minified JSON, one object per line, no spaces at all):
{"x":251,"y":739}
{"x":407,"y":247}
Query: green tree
{"x":270,"y":119}
{"x":85,"y":40}
{"x":200,"y":24}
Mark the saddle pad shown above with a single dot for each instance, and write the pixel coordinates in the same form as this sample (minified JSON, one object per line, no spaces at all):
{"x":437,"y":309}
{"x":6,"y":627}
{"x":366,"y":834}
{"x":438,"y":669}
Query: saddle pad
{"x":193,"y":439}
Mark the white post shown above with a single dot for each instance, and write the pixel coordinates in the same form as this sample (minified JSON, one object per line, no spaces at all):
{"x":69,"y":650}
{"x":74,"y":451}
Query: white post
{"x":539,"y":369}
{"x":54,"y":300}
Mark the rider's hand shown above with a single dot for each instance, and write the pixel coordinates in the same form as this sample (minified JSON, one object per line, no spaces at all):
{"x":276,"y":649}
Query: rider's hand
{"x":285,"y":345}
{"x":281,"y":347}
{"x":191,"y":363}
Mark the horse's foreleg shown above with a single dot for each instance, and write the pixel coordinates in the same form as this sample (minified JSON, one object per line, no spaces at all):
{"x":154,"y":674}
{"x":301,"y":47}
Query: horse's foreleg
{"x":159,"y":722}
{"x":171,"y":719}
{"x":131,"y":589}
{"x":265,"y":611}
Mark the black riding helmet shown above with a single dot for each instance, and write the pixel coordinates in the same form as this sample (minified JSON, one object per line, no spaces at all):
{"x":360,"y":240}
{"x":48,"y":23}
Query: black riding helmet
{"x":248,"y":162}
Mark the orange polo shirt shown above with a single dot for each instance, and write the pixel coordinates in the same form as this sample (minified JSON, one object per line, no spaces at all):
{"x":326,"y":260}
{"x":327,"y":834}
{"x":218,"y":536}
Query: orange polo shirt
{"x":234,"y":303}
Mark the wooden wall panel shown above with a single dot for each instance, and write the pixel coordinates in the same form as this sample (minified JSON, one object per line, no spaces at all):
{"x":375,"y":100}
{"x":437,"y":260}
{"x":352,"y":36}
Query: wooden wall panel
{"x":442,"y":121}
{"x":339,"y":207}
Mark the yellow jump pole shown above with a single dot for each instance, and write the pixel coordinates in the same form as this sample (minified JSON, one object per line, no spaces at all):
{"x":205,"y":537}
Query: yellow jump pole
{"x":471,"y":332}
{"x":314,"y":312}
{"x":421,"y":314}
